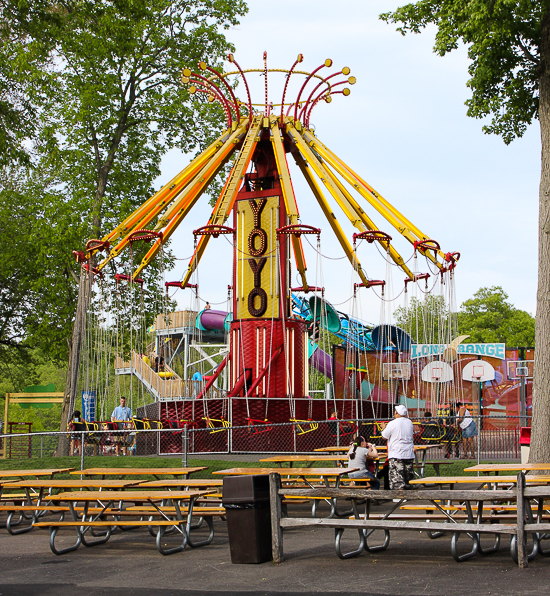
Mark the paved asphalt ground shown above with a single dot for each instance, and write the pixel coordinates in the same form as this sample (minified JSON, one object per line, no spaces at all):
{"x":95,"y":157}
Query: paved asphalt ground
{"x":130,"y":565}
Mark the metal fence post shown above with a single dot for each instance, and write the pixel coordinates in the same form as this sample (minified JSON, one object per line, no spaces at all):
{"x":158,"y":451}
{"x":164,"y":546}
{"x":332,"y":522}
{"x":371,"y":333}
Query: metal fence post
{"x":185,"y":444}
{"x":479,"y":425}
{"x":81,"y":452}
{"x":41,"y":446}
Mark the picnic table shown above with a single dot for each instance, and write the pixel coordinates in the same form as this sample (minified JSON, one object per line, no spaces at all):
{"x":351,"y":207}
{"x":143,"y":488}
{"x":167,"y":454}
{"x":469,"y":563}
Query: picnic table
{"x":5,"y":474}
{"x":508,"y":467}
{"x":37,"y":498}
{"x":470,"y":523}
{"x":290,"y":459}
{"x":345,"y":449}
{"x":479,"y":480}
{"x":326,"y":475}
{"x":112,"y":503}
{"x":171,"y":482}
{"x":139,"y":471}
{"x":420,"y":455}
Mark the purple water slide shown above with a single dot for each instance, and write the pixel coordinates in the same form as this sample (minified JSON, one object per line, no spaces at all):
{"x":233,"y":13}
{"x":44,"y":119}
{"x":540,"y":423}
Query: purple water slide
{"x":322,"y":362}
{"x":212,"y":320}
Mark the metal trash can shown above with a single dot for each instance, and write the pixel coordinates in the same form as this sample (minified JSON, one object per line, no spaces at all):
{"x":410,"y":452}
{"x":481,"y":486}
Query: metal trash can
{"x":246,"y":500}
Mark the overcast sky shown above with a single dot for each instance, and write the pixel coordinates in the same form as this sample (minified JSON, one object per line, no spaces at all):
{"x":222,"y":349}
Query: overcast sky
{"x":404,"y":129}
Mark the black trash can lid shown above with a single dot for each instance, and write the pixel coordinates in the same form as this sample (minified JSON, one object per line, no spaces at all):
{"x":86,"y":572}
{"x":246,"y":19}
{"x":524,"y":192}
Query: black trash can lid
{"x":253,"y":488}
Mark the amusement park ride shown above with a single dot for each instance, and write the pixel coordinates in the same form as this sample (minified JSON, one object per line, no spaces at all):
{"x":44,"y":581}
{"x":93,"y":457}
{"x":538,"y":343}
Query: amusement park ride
{"x":272,"y":327}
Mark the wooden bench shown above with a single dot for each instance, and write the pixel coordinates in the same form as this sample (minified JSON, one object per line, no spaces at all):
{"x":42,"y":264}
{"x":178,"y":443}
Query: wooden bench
{"x":367,"y":524}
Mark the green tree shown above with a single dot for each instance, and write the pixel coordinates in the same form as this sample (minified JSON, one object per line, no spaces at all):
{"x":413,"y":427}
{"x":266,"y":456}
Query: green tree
{"x":427,"y":321}
{"x":103,"y":80}
{"x":488,"y":317}
{"x":509,"y":47}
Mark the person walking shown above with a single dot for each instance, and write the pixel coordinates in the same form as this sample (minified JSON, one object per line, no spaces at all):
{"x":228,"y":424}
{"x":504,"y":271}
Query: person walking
{"x":399,"y":434}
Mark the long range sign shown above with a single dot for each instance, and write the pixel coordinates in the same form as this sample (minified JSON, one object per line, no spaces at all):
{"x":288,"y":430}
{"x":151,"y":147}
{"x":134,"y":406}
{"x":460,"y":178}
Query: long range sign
{"x":493,"y":350}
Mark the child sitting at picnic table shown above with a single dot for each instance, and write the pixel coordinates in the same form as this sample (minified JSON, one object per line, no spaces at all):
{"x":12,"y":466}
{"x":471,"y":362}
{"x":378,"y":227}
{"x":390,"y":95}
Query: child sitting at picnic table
{"x":362,"y":455}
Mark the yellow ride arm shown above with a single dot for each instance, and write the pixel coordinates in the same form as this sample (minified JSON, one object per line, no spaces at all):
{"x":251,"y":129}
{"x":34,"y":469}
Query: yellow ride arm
{"x":227,"y":197}
{"x":405,"y":227}
{"x":288,"y":196}
{"x":193,"y":192}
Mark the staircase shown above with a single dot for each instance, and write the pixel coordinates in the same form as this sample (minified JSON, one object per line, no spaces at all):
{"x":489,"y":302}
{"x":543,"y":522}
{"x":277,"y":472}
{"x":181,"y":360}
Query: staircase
{"x":173,"y":389}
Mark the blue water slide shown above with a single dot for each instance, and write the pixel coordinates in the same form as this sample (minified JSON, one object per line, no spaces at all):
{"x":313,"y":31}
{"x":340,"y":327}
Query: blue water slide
{"x":353,"y":332}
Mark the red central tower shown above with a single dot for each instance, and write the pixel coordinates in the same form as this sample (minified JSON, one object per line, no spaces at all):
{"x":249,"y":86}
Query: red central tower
{"x":269,"y":349}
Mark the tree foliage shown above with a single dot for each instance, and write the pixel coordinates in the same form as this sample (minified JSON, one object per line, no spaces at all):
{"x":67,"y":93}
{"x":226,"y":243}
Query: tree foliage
{"x":427,"y":321}
{"x":90,"y":101}
{"x":503,"y":39}
{"x":508,"y":43}
{"x":489,"y":317}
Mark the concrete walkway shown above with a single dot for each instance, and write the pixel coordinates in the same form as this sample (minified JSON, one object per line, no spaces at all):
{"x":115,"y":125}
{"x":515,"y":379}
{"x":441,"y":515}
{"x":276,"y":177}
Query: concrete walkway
{"x":129,"y":565}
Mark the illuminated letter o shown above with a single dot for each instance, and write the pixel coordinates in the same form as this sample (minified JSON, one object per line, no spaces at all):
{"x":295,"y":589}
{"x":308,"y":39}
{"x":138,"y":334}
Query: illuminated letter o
{"x":257,"y":312}
{"x":261,"y":234}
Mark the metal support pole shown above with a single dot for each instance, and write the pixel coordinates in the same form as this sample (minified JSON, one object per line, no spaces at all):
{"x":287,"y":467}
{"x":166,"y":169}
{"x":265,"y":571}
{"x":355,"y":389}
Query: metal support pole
{"x":41,"y":446}
{"x":185,"y":446}
{"x":480,"y":422}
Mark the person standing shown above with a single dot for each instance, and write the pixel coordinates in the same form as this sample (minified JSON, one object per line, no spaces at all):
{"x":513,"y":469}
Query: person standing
{"x":469,"y":429}
{"x":399,"y":434}
{"x":120,"y":415}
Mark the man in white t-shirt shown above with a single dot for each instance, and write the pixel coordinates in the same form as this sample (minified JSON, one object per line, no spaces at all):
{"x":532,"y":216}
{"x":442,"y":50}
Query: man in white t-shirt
{"x":399,"y":433}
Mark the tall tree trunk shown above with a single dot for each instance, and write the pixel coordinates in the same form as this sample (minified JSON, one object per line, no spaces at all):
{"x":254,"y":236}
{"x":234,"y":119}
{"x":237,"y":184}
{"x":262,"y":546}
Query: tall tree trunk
{"x":69,"y":399}
{"x":540,"y":443}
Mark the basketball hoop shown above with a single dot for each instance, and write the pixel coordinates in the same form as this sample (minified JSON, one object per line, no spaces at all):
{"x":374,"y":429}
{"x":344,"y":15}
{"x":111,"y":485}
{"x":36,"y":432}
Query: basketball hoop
{"x":396,"y":371}
{"x":478,"y":372}
{"x":437,"y":373}
{"x":520,"y":369}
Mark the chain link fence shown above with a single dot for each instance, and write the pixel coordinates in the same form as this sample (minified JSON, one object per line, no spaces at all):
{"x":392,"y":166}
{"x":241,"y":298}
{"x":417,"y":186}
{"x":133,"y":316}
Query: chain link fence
{"x":220,"y":447}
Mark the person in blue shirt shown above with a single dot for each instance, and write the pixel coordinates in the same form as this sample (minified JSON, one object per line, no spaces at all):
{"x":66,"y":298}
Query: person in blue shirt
{"x":197,"y":378}
{"x":121,"y":414}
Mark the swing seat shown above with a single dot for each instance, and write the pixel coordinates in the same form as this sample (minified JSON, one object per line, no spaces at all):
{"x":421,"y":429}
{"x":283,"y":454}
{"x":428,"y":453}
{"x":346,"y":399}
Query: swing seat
{"x":265,"y":425}
{"x":377,"y":431}
{"x":166,"y":375}
{"x":342,"y":428}
{"x":418,"y":429}
{"x":304,"y":426}
{"x":223,"y":424}
{"x":190,"y":424}
{"x":175,"y":425}
{"x":141,"y":424}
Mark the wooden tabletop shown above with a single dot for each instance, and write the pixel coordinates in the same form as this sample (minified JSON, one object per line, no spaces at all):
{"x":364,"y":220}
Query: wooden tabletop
{"x":510,"y":467}
{"x":378,"y":447}
{"x":477,"y":479}
{"x":129,"y":495}
{"x":345,"y":449}
{"x":290,"y":458}
{"x":37,"y":473}
{"x":73,"y":483}
{"x":138,"y":471}
{"x":288,"y":471}
{"x":179,"y":482}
